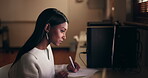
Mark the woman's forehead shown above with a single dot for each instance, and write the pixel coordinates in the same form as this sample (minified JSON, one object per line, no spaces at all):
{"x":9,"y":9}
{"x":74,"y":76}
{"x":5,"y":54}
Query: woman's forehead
{"x":63,"y":25}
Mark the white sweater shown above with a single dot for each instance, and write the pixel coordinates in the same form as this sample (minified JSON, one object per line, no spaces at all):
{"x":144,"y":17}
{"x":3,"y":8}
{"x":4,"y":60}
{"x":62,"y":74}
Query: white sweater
{"x":34,"y":64}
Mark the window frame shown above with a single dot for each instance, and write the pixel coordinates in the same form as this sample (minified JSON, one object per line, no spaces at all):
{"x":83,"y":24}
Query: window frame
{"x":138,"y":15}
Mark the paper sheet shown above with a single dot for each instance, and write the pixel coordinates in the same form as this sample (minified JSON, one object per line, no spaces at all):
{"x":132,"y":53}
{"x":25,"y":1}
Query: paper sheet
{"x":83,"y":73}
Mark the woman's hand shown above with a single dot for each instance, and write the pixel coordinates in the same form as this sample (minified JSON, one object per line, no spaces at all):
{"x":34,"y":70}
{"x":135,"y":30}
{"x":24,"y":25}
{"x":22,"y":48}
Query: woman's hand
{"x":61,"y":74}
{"x":72,"y":69}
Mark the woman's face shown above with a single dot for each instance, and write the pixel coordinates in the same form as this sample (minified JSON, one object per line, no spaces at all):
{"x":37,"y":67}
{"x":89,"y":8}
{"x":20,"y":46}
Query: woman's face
{"x":57,"y":34}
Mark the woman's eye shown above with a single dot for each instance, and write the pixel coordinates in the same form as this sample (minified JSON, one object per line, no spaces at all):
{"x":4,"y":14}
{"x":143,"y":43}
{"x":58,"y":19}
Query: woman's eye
{"x":62,"y":31}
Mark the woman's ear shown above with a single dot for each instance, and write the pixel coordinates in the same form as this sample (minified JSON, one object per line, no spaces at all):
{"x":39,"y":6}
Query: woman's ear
{"x":47,"y":27}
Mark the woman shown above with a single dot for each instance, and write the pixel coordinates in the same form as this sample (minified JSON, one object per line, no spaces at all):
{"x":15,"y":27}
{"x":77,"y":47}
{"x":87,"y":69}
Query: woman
{"x":35,"y":58}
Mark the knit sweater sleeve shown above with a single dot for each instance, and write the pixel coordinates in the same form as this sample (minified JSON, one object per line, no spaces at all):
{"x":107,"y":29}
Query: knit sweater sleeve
{"x":61,"y":67}
{"x":29,"y":66}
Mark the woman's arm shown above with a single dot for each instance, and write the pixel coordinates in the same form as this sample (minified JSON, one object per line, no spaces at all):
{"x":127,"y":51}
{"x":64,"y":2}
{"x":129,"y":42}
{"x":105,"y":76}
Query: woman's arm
{"x":62,"y":67}
{"x":67,"y":67}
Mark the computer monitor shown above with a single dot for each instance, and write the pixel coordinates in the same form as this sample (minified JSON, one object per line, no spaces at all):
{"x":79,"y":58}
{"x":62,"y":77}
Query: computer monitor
{"x":100,"y":42}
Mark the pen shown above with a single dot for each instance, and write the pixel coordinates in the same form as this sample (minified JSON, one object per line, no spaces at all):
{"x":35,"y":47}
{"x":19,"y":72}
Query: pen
{"x":71,"y":61}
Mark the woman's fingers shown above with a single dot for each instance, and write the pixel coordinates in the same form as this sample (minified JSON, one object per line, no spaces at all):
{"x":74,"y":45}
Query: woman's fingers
{"x":62,"y":74}
{"x":77,"y":66}
{"x":72,"y":69}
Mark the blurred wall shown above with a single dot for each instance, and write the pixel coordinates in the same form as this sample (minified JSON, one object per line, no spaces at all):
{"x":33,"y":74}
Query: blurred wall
{"x":20,"y":17}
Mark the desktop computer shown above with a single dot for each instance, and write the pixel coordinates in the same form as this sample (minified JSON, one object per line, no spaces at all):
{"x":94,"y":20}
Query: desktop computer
{"x":100,"y":52}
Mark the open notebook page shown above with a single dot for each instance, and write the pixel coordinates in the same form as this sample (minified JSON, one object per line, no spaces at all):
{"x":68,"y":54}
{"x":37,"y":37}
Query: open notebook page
{"x":83,"y":72}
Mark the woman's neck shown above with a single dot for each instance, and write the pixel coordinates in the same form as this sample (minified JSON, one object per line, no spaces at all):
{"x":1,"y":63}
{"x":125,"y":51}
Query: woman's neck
{"x":43,"y":44}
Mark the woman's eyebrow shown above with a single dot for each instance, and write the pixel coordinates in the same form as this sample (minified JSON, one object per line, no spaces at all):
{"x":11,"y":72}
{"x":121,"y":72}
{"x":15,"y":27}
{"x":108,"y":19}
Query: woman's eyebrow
{"x":64,"y":28}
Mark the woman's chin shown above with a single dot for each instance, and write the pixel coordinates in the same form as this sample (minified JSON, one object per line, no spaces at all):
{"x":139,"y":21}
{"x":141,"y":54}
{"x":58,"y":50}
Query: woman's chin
{"x":57,"y":44}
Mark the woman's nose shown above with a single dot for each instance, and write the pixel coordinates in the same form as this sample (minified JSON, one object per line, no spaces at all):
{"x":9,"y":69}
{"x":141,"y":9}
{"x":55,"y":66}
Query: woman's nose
{"x":64,"y":37}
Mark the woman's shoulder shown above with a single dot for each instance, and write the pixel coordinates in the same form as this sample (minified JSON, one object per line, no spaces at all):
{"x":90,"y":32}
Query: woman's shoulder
{"x":28,"y":57}
{"x":32,"y":55}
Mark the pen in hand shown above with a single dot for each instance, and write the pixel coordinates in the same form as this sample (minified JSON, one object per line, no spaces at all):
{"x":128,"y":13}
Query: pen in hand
{"x":72,"y":62}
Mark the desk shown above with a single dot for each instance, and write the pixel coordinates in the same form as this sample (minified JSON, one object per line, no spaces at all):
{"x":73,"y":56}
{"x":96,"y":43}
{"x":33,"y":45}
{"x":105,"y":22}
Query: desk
{"x":109,"y":73}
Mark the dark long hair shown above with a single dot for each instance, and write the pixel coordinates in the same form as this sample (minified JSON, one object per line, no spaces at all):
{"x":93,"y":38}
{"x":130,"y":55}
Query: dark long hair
{"x":50,"y":16}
